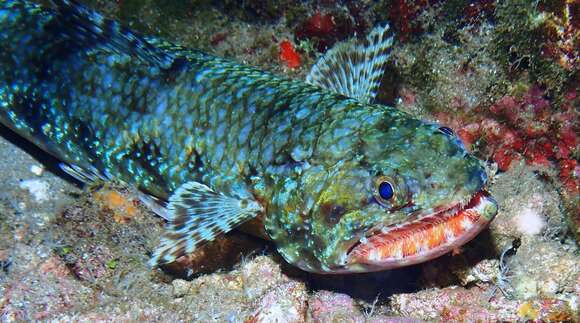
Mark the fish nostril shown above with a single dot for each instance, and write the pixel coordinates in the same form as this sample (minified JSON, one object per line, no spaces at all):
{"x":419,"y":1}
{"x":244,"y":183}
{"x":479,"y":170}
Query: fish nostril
{"x":479,"y":179}
{"x":483,"y":177}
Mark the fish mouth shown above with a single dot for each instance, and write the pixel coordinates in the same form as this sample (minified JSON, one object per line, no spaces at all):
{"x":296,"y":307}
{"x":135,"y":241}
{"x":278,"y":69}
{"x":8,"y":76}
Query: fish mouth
{"x":425,"y":238}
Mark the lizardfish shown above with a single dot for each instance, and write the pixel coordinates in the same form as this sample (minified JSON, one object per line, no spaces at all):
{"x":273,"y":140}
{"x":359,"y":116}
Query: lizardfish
{"x":339,"y":183}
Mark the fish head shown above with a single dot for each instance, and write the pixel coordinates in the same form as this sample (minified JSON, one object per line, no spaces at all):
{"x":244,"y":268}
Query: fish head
{"x":405,"y":191}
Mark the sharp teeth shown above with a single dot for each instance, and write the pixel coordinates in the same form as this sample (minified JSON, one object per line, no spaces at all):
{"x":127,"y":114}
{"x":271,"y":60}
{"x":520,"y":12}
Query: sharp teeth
{"x":423,"y":247}
{"x":449,"y":235}
{"x":466,"y":223}
{"x":398,"y":253}
{"x":374,"y":255}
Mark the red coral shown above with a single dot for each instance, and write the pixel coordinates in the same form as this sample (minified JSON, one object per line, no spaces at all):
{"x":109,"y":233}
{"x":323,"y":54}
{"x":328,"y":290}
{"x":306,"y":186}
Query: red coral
{"x":570,"y":175}
{"x":560,"y":31}
{"x":403,"y":14}
{"x":319,"y":24}
{"x":469,"y":133}
{"x":476,"y":10}
{"x":568,"y":141}
{"x":325,"y":29}
{"x":528,"y":128}
{"x":503,"y":157}
{"x":288,"y":55}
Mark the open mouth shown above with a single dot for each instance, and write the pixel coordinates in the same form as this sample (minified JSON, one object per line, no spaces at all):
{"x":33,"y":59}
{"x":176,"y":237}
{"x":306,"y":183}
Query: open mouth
{"x":426,"y":238}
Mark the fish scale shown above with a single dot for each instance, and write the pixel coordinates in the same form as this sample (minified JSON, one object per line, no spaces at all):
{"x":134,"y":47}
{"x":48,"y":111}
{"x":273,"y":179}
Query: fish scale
{"x":214,"y":78}
{"x":211,"y":143}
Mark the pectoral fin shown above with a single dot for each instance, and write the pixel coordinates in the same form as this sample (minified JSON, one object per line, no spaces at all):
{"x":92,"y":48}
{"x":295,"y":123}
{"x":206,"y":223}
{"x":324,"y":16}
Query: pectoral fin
{"x":354,"y":68}
{"x":86,"y":175}
{"x":198,"y":215}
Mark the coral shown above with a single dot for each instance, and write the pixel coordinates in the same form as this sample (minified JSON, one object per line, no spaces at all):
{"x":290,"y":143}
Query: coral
{"x":448,"y":77}
{"x":94,"y":264}
{"x":481,"y":71}
{"x":476,"y":11}
{"x":548,"y":310}
{"x":256,"y":10}
{"x":536,"y":40}
{"x":320,"y":29}
{"x":319,"y":25}
{"x":503,"y":74}
{"x":288,"y":54}
{"x":122,"y":208}
{"x":403,"y":14}
{"x":529,"y":128}
{"x":452,"y":304}
{"x":485,"y":271}
{"x":545,"y":260}
{"x":257,"y":291}
{"x":530,"y":220}
{"x":561,"y":28}
{"x":324,"y":28}
{"x":527,"y":311}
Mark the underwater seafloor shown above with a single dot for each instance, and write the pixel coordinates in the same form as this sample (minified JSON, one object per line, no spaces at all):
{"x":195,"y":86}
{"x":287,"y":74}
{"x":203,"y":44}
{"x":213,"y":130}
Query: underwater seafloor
{"x":503,"y":74}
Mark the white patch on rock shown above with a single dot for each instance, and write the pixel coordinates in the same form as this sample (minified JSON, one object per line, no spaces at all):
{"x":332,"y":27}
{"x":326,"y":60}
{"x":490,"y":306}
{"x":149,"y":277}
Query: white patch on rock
{"x":530,"y":221}
{"x":37,"y":188}
{"x":37,"y":170}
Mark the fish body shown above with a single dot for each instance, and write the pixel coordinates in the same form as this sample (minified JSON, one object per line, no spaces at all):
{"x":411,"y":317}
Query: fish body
{"x":342,"y":184}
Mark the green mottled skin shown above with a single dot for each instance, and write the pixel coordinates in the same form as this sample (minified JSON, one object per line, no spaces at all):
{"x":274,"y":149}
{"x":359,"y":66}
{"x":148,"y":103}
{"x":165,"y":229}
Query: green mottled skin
{"x":309,"y":156}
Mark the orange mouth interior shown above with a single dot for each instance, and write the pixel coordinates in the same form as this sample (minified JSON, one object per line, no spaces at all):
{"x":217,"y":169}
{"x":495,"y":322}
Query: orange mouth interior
{"x":422,"y":239}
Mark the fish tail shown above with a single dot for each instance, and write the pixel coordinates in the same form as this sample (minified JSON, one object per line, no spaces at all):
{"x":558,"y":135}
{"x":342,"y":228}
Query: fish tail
{"x":30,"y":31}
{"x":90,"y":29}
{"x":34,"y":39}
{"x":25,"y":42}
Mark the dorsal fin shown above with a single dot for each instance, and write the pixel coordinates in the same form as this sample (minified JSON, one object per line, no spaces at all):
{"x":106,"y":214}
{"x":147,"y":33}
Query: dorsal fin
{"x":90,"y":29}
{"x":197,"y":215}
{"x":354,"y":68}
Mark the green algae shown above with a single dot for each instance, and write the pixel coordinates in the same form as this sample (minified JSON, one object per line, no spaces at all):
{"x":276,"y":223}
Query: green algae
{"x":521,"y":33}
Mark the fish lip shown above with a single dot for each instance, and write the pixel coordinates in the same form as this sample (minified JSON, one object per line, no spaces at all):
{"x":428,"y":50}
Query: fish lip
{"x":389,"y":242}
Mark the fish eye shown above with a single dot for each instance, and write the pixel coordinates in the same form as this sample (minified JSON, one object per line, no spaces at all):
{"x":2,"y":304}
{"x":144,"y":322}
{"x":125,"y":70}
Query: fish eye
{"x":384,"y":190}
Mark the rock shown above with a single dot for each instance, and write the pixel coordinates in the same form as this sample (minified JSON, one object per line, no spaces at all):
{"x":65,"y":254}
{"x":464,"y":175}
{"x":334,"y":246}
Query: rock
{"x":222,"y":253}
{"x":180,"y":287}
{"x":485,"y":271}
{"x":285,"y":303}
{"x":452,"y":303}
{"x":260,"y":275}
{"x":528,"y":207}
{"x":327,"y":306}
{"x":544,"y":269}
